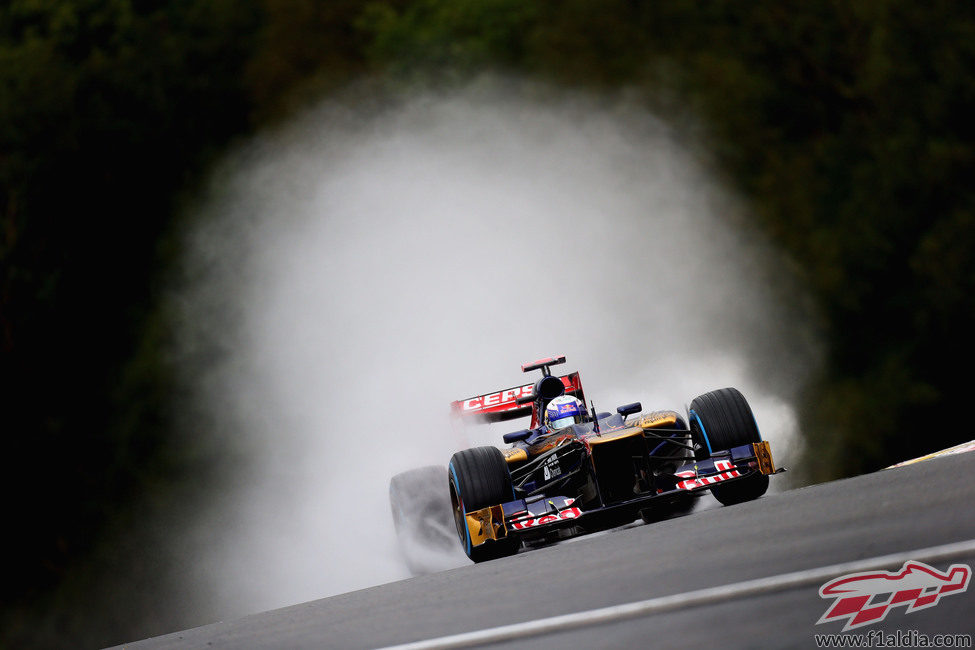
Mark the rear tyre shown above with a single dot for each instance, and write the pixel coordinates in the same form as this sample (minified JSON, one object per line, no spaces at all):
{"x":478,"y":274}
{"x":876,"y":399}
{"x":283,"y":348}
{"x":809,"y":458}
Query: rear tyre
{"x":423,"y":519}
{"x":719,"y":421}
{"x":479,"y":478}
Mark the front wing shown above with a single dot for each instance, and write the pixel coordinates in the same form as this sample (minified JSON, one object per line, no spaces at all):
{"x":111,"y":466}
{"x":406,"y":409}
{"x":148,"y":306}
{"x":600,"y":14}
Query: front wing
{"x":543,"y":514}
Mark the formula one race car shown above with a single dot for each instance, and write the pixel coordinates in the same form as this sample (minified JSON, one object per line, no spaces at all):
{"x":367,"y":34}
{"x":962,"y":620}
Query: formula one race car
{"x":574,"y":471}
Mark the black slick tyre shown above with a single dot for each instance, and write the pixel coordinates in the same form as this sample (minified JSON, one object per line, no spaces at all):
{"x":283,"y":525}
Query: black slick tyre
{"x":721,"y":420}
{"x":479,"y":478}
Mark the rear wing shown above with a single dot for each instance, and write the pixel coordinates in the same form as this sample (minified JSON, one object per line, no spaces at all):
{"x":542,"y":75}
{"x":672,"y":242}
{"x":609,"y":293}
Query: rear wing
{"x":510,"y":403}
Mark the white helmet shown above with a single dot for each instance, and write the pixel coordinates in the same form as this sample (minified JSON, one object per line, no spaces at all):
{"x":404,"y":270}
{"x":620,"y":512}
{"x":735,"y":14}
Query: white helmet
{"x":564,"y":411}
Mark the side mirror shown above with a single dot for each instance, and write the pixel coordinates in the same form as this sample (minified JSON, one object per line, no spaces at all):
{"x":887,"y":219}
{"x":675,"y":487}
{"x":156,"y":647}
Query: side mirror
{"x":515,"y":436}
{"x":629,"y":409}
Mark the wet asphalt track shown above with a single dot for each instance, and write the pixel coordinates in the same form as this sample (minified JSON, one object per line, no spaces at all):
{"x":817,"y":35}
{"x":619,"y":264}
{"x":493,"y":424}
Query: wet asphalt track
{"x":889,"y":512}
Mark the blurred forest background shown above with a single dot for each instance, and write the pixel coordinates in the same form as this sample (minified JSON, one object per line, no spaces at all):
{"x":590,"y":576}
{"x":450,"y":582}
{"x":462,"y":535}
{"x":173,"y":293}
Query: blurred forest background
{"x":846,"y":126}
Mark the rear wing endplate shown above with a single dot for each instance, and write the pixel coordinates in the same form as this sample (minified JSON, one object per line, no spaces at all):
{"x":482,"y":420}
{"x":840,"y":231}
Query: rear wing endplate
{"x":544,"y":364}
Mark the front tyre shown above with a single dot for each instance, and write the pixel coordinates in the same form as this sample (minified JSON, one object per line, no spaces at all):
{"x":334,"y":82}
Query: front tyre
{"x":721,"y":420}
{"x":479,"y":478}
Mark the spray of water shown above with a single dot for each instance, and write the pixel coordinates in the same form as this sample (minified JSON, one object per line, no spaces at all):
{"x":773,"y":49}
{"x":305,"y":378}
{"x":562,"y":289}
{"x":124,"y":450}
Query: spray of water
{"x":358,"y":269}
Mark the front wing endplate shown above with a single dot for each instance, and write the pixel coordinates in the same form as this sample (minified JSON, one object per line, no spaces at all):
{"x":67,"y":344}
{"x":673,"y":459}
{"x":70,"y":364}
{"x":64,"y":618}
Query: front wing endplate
{"x":485,"y":524}
{"x":763,"y":454}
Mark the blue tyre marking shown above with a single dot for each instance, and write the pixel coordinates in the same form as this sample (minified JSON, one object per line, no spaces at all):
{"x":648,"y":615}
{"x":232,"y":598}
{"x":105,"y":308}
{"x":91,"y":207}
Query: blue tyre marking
{"x":700,"y":425}
{"x":467,"y":533}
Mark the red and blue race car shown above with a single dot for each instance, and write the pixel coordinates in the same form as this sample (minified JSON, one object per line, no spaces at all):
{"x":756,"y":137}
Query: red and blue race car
{"x":574,"y":471}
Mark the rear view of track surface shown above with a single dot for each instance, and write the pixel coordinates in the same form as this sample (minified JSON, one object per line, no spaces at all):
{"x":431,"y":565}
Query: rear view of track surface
{"x":744,"y":576}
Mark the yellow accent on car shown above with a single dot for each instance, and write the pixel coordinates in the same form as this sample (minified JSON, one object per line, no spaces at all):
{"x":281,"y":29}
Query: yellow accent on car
{"x":486,"y":523}
{"x":614,"y":435}
{"x":515,"y":455}
{"x":551,"y":442}
{"x":763,"y":454}
{"x":658,"y":419}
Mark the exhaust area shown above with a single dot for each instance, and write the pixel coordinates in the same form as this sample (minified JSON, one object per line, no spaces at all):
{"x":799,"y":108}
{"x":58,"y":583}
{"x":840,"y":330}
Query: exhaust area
{"x":356,"y":270}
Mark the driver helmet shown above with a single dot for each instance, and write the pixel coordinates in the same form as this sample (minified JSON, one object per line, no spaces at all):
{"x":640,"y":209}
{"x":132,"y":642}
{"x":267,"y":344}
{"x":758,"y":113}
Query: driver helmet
{"x":564,"y":411}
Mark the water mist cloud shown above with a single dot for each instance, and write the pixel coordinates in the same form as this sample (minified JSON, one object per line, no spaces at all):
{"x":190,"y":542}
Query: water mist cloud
{"x":358,"y":271}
